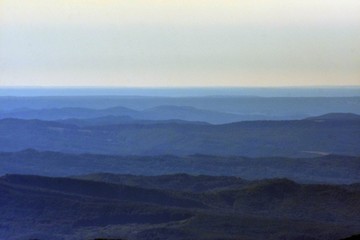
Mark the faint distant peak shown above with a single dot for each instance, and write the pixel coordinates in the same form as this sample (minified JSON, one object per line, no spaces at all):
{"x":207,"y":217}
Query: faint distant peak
{"x":172,"y":107}
{"x":335,"y":116}
{"x":118,"y":108}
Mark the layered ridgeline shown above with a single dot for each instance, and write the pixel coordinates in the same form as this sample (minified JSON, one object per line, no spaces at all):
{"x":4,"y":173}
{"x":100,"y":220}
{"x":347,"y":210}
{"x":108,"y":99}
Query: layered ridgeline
{"x":329,"y":134}
{"x":184,"y":207}
{"x":125,"y":115}
{"x":120,"y":114}
{"x":241,"y":107}
{"x":177,"y":173}
{"x":333,"y":169}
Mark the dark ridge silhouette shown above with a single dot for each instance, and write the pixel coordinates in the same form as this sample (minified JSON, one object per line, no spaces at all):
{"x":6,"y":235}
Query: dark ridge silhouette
{"x":109,"y":239}
{"x":354,"y":237}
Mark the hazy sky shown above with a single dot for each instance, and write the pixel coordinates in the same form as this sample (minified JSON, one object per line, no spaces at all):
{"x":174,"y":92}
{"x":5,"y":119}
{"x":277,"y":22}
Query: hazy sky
{"x":179,"y":43}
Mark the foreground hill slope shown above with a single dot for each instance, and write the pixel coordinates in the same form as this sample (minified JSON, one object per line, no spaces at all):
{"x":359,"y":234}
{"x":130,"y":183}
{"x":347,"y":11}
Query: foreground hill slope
{"x":63,"y":208}
{"x":257,"y":138}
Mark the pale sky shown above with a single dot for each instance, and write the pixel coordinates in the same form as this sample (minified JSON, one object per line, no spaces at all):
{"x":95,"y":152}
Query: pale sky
{"x":178,"y":43}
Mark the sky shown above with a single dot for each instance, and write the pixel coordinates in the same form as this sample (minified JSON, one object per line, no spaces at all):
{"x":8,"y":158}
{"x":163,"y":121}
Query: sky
{"x":179,"y":43}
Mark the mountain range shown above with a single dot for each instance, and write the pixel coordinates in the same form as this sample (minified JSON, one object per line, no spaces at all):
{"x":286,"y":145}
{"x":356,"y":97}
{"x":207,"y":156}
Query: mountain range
{"x":268,"y":108}
{"x":179,"y":168}
{"x":163,"y":112}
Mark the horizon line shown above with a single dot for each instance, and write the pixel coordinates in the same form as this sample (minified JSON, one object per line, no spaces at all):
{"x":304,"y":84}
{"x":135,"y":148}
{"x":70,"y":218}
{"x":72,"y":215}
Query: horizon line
{"x":174,"y":87}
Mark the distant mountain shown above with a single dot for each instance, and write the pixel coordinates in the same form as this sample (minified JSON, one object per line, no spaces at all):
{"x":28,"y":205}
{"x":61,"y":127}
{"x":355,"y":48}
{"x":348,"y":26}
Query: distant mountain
{"x":326,"y":169}
{"x":162,"y":112}
{"x":190,"y":114}
{"x":253,"y":139}
{"x":119,"y":115}
{"x":63,"y":208}
{"x":117,"y":120}
{"x":64,"y":113}
{"x":105,"y":120}
{"x":336,"y":117}
{"x":266,"y":108}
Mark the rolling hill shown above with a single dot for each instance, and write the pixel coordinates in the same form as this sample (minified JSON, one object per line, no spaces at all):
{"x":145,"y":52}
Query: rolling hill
{"x":332,"y":169}
{"x":298,"y":138}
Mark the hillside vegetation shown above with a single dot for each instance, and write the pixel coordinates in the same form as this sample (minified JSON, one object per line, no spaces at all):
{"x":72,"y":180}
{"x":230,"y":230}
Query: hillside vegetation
{"x":64,"y":208}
